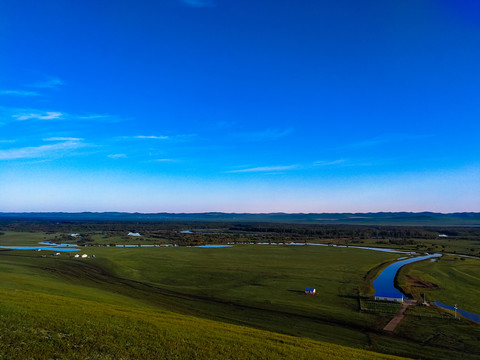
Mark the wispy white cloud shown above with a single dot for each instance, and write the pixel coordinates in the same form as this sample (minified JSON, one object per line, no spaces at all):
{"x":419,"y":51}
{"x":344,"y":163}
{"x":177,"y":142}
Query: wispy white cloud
{"x":19,"y":93}
{"x":170,"y":138}
{"x":60,"y":138}
{"x":164,"y":160}
{"x":265,"y":169}
{"x":23,"y":114}
{"x":49,"y":115}
{"x":154,"y":137}
{"x":6,"y":141}
{"x":50,"y":83}
{"x":117,"y":156}
{"x":387,"y":138}
{"x":199,"y":3}
{"x":93,"y":117}
{"x":103,"y":118}
{"x":264,"y":135}
{"x":39,"y":151}
{"x":328,"y":163}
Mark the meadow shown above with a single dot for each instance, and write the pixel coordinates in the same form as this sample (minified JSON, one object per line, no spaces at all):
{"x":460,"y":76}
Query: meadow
{"x":41,"y":326}
{"x":450,"y":280}
{"x":241,"y":302}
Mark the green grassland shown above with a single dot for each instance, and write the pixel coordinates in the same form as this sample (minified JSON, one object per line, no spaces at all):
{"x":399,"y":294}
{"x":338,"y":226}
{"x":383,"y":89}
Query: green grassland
{"x":454,"y":239}
{"x":64,"y":307}
{"x":244,"y":285}
{"x":108,"y":239}
{"x":24,"y":238}
{"x":435,"y":327}
{"x":466,"y":246}
{"x":242,"y":302}
{"x":455,"y":280}
{"x":451,"y":280}
{"x":40,"y":326}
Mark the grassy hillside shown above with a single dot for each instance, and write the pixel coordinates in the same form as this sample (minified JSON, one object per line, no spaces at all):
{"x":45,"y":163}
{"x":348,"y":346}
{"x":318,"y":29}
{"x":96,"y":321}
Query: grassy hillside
{"x":39,"y":326}
{"x":239,"y":302}
{"x":261,"y":286}
{"x":64,"y":308}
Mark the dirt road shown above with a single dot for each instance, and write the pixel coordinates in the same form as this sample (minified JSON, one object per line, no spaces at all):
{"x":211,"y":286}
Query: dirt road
{"x":396,"y":320}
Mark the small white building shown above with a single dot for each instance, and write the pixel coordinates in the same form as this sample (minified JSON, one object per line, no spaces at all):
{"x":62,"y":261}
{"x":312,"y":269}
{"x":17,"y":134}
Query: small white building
{"x":388,"y":298}
{"x":76,"y":255}
{"x":57,"y":254}
{"x":84,"y":256}
{"x":134,"y":234}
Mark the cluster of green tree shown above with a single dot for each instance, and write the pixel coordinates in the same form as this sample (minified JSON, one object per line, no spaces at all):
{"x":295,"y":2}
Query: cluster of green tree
{"x":49,"y":226}
{"x":205,"y":232}
{"x":459,"y":233}
{"x":340,"y":231}
{"x":397,"y":242}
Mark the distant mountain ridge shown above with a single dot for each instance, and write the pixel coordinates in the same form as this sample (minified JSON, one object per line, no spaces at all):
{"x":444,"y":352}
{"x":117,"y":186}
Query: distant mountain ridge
{"x":378,"y":218}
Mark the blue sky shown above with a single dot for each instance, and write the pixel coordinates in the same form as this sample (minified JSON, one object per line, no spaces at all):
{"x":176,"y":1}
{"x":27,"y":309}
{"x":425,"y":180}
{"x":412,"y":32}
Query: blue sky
{"x":240,"y":106}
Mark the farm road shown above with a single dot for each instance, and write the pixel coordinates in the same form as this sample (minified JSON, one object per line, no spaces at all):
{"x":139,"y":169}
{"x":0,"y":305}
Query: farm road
{"x":396,"y":320}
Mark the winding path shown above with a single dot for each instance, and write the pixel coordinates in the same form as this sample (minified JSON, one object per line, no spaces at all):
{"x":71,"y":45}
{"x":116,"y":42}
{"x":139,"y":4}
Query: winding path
{"x":396,"y":320}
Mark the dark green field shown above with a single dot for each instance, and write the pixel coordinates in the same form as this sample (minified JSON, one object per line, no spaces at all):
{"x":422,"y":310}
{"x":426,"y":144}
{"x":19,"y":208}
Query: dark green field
{"x":450,"y":280}
{"x":240,"y":302}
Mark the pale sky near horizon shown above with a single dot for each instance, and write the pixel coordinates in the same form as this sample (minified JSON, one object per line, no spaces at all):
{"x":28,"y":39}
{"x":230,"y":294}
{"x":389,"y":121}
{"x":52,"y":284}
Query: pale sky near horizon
{"x":240,"y":106}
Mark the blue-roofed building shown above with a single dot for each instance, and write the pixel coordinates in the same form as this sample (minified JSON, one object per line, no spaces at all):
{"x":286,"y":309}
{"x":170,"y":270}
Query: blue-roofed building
{"x":310,"y":291}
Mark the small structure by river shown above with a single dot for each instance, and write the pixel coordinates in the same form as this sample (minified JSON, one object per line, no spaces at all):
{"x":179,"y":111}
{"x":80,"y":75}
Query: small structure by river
{"x":388,"y":297}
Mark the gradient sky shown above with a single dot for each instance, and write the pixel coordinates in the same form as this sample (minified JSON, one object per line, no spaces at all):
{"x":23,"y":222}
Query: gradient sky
{"x":240,"y":106}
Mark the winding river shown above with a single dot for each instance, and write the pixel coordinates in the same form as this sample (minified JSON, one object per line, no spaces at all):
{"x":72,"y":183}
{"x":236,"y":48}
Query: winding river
{"x":384,"y":284}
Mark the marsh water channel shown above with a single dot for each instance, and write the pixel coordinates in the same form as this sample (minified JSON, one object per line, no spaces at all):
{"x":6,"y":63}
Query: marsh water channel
{"x":384,"y":284}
